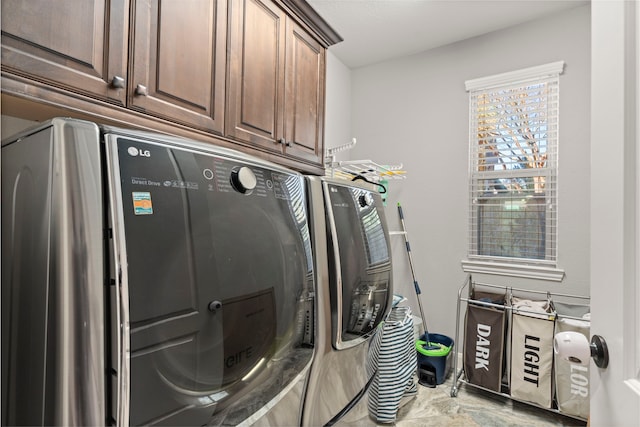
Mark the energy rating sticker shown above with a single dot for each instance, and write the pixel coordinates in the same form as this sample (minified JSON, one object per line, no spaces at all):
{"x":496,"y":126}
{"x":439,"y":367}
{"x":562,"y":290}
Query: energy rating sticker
{"x":142,"y":203}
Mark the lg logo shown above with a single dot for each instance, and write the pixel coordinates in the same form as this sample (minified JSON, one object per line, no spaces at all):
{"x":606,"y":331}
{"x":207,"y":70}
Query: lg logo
{"x":133,"y":151}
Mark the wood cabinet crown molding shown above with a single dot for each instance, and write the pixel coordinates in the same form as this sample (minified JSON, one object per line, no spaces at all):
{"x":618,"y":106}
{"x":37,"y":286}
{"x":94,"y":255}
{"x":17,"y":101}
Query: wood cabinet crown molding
{"x":303,"y":10}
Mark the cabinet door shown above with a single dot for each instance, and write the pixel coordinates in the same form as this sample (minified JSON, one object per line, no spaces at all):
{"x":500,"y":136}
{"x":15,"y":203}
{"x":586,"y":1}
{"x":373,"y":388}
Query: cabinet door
{"x":179,"y":60}
{"x":304,"y":96}
{"x":256,"y":73}
{"x":79,"y":45}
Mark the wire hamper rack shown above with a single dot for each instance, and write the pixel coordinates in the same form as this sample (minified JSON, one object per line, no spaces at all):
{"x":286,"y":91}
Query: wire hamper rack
{"x":460,"y":375}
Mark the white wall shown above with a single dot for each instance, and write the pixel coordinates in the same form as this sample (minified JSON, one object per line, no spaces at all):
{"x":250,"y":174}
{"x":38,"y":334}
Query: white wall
{"x":414,"y":111}
{"x":337,"y":131}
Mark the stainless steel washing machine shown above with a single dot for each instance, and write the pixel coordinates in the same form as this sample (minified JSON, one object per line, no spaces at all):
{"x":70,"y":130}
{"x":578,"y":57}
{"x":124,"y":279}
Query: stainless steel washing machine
{"x":352,"y":264}
{"x":148,"y":279}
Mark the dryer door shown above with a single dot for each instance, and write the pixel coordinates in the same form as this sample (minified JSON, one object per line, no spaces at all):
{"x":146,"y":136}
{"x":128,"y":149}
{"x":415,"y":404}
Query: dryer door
{"x":219,"y":282}
{"x":360,"y":257}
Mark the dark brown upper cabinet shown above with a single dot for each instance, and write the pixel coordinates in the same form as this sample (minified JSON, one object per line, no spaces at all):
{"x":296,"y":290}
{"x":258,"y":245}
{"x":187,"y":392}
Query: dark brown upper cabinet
{"x":179,"y":61}
{"x":77,"y":45}
{"x":247,"y":74}
{"x":276,"y":82}
{"x":256,"y":72}
{"x":304,"y":95}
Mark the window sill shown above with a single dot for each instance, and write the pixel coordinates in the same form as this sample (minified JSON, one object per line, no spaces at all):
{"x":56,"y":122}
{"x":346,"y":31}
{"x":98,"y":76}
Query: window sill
{"x":516,"y":270}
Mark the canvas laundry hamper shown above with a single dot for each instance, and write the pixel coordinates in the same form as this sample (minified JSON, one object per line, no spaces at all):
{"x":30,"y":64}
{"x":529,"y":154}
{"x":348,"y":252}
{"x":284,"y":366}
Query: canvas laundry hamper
{"x":392,"y":361}
{"x":484,"y":340}
{"x":532,"y":329}
{"x":572,"y":379}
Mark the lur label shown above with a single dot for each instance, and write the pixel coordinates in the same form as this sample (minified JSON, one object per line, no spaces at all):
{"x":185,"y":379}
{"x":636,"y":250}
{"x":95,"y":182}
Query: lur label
{"x":142,"y":203}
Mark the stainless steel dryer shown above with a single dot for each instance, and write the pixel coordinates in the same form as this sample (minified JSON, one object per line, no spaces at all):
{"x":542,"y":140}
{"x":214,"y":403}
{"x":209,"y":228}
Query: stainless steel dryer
{"x":151,"y":280}
{"x":354,"y":290}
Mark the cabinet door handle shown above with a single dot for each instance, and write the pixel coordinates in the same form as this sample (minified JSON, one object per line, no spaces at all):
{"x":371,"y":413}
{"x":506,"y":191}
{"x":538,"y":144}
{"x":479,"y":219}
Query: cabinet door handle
{"x":284,"y":142}
{"x":117,"y":82}
{"x":141,"y":90}
{"x":288,"y":143}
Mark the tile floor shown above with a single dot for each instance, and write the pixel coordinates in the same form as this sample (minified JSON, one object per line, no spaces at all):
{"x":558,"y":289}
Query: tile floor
{"x":472,"y":407}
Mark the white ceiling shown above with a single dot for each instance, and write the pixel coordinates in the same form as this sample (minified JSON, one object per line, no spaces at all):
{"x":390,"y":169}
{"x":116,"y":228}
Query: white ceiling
{"x":378,"y":30}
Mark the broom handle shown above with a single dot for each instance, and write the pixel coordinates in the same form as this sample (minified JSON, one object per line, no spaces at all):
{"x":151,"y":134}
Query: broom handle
{"x":413,"y":274}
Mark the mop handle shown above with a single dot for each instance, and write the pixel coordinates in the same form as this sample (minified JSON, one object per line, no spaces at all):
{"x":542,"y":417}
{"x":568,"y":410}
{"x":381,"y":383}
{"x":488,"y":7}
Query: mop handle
{"x":408,"y":246}
{"x":413,"y":274}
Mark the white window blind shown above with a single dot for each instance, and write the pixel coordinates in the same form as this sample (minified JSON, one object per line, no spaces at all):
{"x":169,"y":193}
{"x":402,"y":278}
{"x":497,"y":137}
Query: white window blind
{"x":513,"y":167}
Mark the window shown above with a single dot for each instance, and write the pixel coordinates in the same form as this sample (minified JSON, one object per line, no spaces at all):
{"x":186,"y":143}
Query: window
{"x":513,"y":162}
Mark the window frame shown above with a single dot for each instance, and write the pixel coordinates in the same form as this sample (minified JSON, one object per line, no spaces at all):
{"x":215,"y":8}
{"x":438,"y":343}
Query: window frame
{"x":543,"y":269}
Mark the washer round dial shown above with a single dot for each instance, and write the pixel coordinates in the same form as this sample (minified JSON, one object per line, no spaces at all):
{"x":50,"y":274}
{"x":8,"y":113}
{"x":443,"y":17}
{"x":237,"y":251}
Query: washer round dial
{"x":243,"y":179}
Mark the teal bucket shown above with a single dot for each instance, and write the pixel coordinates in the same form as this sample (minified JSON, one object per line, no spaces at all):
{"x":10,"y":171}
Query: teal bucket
{"x":434,"y":358}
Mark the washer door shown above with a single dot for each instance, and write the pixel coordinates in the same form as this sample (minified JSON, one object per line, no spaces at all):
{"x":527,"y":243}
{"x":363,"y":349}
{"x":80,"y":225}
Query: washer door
{"x":360,"y":258}
{"x":219,"y":282}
